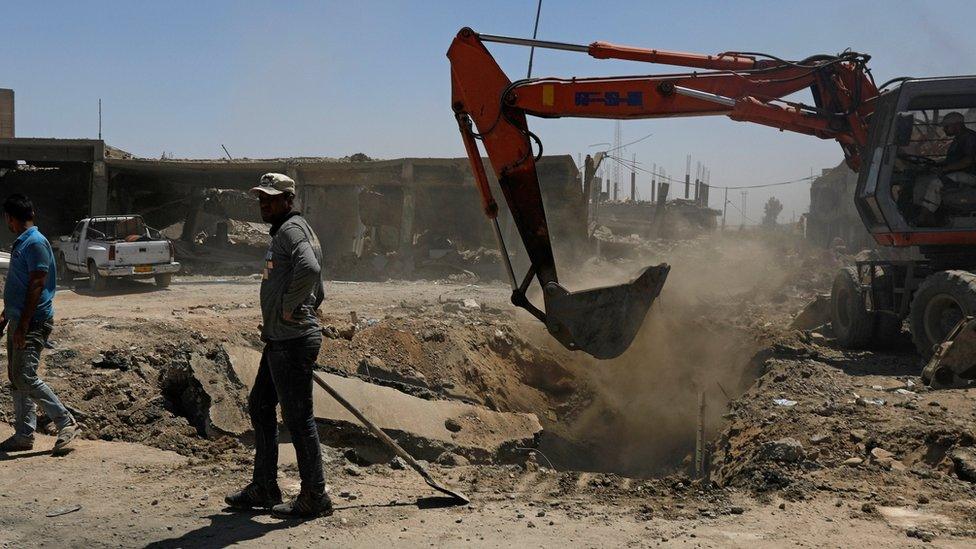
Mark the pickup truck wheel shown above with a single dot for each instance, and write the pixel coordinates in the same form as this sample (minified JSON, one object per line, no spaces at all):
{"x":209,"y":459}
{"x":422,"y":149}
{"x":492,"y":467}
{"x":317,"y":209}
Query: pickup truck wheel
{"x":97,"y":281}
{"x":164,"y":280}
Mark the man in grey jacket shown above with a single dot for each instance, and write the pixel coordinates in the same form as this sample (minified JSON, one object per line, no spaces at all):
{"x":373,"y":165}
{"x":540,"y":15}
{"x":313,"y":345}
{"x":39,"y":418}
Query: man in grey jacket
{"x":291,"y":291}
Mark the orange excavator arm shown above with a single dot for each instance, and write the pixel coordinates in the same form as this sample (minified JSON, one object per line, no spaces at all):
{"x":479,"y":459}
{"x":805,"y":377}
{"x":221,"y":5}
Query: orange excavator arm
{"x":492,"y":109}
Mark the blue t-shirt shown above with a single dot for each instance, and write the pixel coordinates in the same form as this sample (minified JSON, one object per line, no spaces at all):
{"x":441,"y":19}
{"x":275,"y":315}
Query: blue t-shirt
{"x":31,"y":252}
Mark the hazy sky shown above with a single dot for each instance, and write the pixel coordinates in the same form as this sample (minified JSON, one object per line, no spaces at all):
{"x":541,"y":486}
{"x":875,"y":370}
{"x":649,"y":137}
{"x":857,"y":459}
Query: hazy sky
{"x":334,"y":78}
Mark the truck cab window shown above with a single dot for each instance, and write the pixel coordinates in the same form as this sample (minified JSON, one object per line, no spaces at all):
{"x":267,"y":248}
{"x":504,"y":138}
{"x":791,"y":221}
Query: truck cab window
{"x":76,"y":234}
{"x":934,"y":179}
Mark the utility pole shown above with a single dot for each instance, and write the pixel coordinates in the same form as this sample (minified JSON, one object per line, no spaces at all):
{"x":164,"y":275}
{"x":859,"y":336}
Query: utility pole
{"x":633,"y":180}
{"x":725,"y":207}
{"x":100,"y":120}
{"x":661,"y":195}
{"x":617,"y":145}
{"x":743,"y":212}
{"x":698,"y":175}
{"x":703,"y":202}
{"x":653,"y":183}
{"x":687,"y":174}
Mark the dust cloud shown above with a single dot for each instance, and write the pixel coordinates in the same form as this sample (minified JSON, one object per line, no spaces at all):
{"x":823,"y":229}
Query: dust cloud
{"x":697,"y":338}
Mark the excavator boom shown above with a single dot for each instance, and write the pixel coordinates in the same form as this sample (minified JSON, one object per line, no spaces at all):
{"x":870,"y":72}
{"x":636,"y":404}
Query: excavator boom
{"x":491,"y":108}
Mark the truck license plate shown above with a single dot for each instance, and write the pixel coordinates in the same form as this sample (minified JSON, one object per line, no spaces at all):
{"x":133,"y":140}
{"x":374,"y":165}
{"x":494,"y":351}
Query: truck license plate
{"x":143,"y":269}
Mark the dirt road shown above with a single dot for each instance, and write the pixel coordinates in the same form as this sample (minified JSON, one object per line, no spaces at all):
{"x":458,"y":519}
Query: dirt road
{"x":132,"y":495}
{"x":167,"y":490}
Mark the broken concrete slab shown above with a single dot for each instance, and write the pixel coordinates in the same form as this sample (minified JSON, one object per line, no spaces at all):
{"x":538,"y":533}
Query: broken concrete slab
{"x":228,"y":394}
{"x":205,"y":389}
{"x":964,"y":463}
{"x":417,"y":424}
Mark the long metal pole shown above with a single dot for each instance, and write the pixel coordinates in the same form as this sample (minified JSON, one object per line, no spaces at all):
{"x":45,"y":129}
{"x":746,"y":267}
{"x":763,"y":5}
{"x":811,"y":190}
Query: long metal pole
{"x":700,"y":438}
{"x":389,"y":442}
{"x":533,"y":43}
{"x":504,"y":251}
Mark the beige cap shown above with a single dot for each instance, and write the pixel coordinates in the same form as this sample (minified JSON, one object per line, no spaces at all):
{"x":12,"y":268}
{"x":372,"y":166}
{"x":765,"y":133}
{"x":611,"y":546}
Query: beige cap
{"x":273,"y":184}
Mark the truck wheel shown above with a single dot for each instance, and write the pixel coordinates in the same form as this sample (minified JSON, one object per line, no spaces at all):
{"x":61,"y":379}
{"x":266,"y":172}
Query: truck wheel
{"x":97,"y":282}
{"x":164,"y":280}
{"x":853,"y":325}
{"x":941,"y":301}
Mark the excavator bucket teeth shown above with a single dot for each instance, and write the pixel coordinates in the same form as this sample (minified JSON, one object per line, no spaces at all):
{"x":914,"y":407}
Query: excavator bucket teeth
{"x":603,"y":321}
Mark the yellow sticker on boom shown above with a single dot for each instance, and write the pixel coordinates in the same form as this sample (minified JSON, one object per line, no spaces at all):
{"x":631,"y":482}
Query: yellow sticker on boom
{"x":548,"y":95}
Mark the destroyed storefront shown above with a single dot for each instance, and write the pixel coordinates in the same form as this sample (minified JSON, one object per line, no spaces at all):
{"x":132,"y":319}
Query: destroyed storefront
{"x":58,"y":175}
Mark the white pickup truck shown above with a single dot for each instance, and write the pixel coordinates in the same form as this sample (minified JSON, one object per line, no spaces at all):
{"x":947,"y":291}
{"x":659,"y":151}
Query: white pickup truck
{"x":116,"y":246}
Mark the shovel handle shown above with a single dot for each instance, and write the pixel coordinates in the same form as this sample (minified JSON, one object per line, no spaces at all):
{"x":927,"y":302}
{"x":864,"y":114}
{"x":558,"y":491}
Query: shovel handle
{"x":373,"y":428}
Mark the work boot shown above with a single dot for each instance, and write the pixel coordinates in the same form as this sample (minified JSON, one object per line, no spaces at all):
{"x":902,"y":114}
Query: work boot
{"x":255,"y":495}
{"x":306,"y":505}
{"x":66,"y":435}
{"x":17,"y":443}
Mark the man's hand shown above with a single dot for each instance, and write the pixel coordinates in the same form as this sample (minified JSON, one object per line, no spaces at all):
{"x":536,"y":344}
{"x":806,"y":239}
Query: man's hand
{"x":288,"y":316}
{"x":20,"y":337}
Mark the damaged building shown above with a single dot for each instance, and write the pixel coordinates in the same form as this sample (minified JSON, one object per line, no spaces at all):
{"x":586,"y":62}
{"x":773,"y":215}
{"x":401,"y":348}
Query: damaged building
{"x":377,"y":219}
{"x":832,"y":212}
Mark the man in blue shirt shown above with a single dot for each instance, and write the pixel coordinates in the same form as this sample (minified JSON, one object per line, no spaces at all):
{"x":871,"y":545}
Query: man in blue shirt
{"x":28,"y":311}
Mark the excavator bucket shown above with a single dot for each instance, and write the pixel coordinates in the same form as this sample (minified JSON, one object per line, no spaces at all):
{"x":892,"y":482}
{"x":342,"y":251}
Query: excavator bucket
{"x":602,"y":321}
{"x":954,"y":362}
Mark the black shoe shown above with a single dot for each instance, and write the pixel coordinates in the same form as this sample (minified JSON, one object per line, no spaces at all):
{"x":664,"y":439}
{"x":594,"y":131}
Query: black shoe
{"x":254,"y":495}
{"x":17,"y":443}
{"x":306,"y":505}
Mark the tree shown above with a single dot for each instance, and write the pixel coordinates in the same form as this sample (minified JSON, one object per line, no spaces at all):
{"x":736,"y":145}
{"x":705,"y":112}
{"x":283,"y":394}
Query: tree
{"x":771,"y":211}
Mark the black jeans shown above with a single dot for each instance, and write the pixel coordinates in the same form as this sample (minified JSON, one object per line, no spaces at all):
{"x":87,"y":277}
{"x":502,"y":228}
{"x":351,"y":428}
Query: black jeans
{"x":285,"y":376}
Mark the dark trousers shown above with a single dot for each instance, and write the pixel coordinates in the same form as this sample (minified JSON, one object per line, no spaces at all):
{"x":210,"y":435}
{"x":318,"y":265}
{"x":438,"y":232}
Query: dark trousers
{"x":285,"y":377}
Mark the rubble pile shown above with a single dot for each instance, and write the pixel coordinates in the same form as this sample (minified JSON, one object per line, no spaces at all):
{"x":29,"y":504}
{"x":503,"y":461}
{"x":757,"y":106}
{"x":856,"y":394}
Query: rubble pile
{"x":150,"y":395}
{"x":820,"y":419}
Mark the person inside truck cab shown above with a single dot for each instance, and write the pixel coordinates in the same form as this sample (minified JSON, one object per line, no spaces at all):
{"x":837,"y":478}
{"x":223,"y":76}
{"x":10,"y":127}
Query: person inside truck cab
{"x":958,"y":169}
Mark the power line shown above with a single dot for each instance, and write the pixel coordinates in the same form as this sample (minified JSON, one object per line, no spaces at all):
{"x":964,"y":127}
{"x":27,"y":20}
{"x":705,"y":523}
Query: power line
{"x":628,"y":144}
{"x":535,"y":32}
{"x":744,"y":216}
{"x":633,"y":165}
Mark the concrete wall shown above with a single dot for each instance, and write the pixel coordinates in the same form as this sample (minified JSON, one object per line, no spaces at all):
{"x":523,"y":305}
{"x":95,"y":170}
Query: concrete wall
{"x":333,"y":213}
{"x":6,"y":112}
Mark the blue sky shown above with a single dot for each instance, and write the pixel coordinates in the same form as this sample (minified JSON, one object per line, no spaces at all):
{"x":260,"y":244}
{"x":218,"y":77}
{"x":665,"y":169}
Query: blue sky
{"x":333,"y":78}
